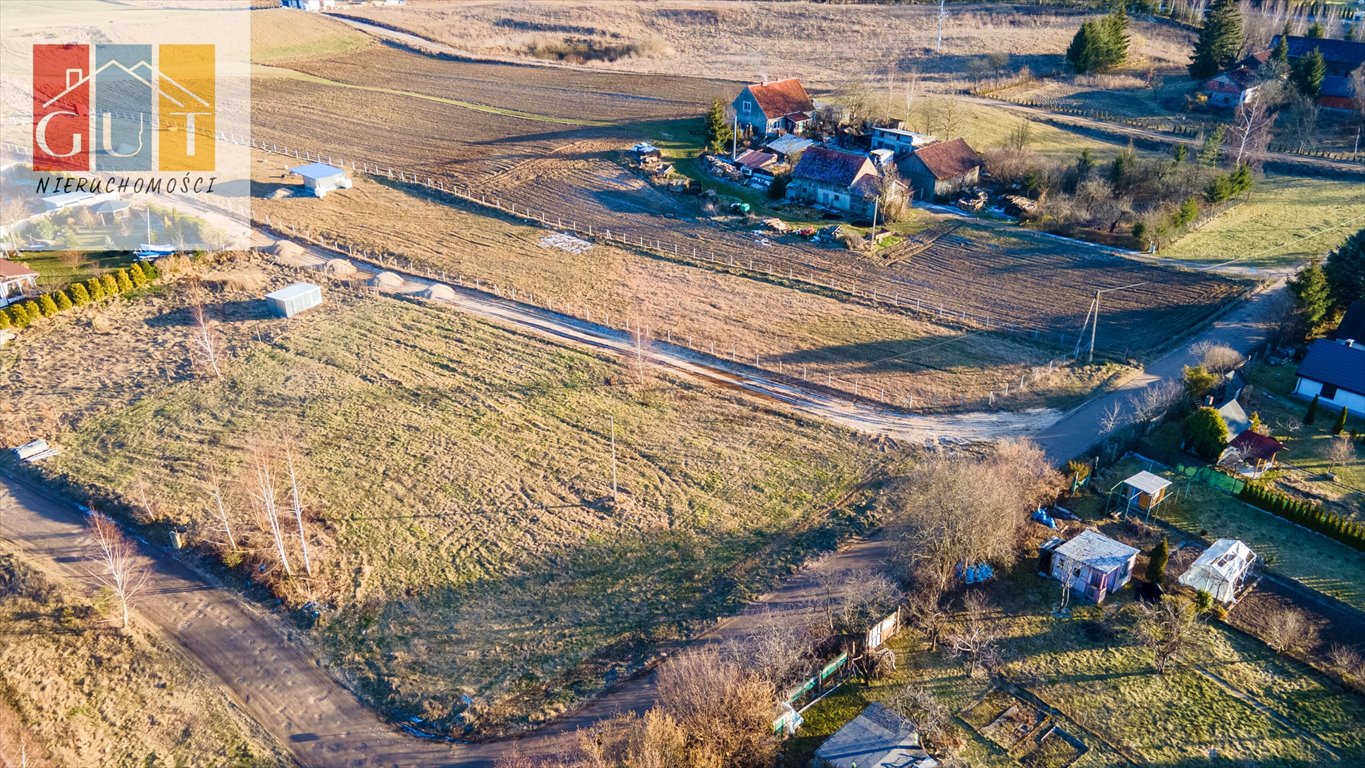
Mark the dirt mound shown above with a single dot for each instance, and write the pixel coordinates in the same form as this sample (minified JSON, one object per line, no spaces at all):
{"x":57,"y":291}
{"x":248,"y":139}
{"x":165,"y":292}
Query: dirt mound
{"x":287,"y":250}
{"x":386,"y":280}
{"x":439,"y":291}
{"x":339,"y":267}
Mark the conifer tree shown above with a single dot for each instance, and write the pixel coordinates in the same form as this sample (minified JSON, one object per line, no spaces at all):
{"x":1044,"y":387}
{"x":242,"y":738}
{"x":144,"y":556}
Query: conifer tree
{"x":1308,"y":73}
{"x":63,"y":301}
{"x":1220,"y":40}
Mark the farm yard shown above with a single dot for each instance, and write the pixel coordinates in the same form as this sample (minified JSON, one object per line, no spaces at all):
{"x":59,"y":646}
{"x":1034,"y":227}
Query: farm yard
{"x":572,"y":171}
{"x":455,"y":474}
{"x":882,"y":354}
{"x":724,"y":40}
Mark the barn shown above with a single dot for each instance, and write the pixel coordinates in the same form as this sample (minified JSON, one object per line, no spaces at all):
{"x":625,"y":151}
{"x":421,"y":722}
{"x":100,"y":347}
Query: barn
{"x":938,"y":170}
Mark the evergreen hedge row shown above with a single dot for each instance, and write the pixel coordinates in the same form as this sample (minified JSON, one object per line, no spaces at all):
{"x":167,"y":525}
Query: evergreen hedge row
{"x":1310,"y":516}
{"x":129,"y":278}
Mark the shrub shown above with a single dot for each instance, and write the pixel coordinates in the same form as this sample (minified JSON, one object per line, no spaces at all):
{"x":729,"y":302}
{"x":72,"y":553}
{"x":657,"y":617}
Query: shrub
{"x":63,"y":301}
{"x":46,"y":305}
{"x":95,"y":287}
{"x":125,"y":283}
{"x":136,"y":275}
{"x":79,"y":294}
{"x":21,"y":318}
{"x":1340,"y":425}
{"x":1311,"y":516}
{"x":5,"y":322}
{"x":33,"y":310}
{"x":1206,"y":433}
{"x":1312,"y":414}
{"x":149,"y":269}
{"x":1157,"y":560}
{"x":111,"y":286}
{"x":1199,"y":381}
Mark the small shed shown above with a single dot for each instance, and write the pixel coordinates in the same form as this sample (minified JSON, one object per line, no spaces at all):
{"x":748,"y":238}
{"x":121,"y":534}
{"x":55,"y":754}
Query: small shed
{"x":1144,"y":491}
{"x":111,"y":211}
{"x":1093,"y":564}
{"x":1257,"y":450}
{"x":877,"y":738}
{"x":293,"y":299}
{"x":321,"y":178}
{"x":1221,"y":570}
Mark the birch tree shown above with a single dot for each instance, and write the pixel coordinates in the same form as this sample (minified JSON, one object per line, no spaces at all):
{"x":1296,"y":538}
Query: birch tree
{"x":206,"y":340}
{"x":120,"y":568}
{"x":216,"y":490}
{"x":297,"y":502}
{"x":267,"y":503}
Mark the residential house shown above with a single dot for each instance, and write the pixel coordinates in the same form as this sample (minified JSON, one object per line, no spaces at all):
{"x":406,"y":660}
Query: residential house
{"x":938,"y":170}
{"x":877,"y":738}
{"x":901,"y":142}
{"x":1239,"y":84}
{"x":321,"y":178}
{"x":1221,"y":570}
{"x":1334,"y":371}
{"x":1092,"y":564}
{"x":1340,"y":57}
{"x":839,"y":180}
{"x":17,"y":282}
{"x":64,"y":200}
{"x":782,"y":106}
{"x":308,"y":5}
{"x":1144,"y":491}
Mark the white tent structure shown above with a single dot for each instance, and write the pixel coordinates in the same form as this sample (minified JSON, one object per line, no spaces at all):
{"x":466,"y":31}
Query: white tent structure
{"x":1221,"y":570}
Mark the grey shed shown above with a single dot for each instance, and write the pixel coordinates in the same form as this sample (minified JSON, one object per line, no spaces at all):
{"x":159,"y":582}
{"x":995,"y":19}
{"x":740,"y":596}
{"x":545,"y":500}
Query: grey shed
{"x":293,"y":299}
{"x":876,"y":738}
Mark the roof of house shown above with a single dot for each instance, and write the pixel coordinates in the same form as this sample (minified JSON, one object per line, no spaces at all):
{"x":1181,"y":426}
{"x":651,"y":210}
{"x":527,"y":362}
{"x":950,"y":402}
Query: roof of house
{"x":1336,"y":363}
{"x":317,"y":171}
{"x":1235,"y":417}
{"x":1343,"y":53}
{"x":781,"y":97}
{"x":10,"y":270}
{"x":112,"y":206}
{"x":790,"y":145}
{"x":1352,"y":325}
{"x":913,"y":136}
{"x":1254,"y":445}
{"x":1097,"y":551}
{"x":830,"y":166}
{"x":755,"y":159}
{"x":1147,"y":482}
{"x":876,"y":738}
{"x":948,"y":159}
{"x":1336,"y":86}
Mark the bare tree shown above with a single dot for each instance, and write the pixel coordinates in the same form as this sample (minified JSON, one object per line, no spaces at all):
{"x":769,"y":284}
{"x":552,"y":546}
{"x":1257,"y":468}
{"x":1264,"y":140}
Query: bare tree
{"x":973,"y":637}
{"x":267,"y":504}
{"x":721,"y":705}
{"x":216,"y":490}
{"x":121,"y":569}
{"x":1347,"y":661}
{"x":1250,"y":129}
{"x":933,"y":718}
{"x":1171,"y":630}
{"x":1217,"y":358}
{"x":206,"y":340}
{"x":1290,"y":631}
{"x":296,"y":500}
{"x":779,"y":652}
{"x":1113,"y":417}
{"x":1340,"y":452}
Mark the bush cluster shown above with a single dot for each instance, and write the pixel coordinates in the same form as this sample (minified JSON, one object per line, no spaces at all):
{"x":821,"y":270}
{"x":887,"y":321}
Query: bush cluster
{"x":1310,"y":516}
{"x":21,"y":315}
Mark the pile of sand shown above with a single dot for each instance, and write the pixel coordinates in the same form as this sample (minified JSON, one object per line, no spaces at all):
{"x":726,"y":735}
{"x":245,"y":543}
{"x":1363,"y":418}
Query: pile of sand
{"x":339,"y":267}
{"x":287,"y":250}
{"x":386,"y":280}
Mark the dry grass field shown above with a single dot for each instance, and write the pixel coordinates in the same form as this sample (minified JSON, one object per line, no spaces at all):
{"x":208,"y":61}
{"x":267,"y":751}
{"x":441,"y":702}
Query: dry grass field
{"x":881,"y":354}
{"x":76,"y":691}
{"x":746,"y":41}
{"x":457,"y":481}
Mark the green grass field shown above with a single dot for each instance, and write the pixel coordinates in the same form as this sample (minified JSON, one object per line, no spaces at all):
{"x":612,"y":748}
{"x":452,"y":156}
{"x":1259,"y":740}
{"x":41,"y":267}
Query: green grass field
{"x":1108,"y":694}
{"x":460,"y":477}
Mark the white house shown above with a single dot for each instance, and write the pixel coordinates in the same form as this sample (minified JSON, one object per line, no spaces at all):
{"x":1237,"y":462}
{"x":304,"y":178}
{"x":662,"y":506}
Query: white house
{"x":1221,"y":570}
{"x":899,"y":141}
{"x":1093,"y":565}
{"x":1334,"y":371}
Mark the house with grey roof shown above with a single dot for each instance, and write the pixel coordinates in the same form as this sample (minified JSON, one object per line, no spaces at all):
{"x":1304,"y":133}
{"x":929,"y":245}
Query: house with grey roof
{"x":1334,"y":372}
{"x":877,"y":738}
{"x":842,"y":181}
{"x":941,"y":169}
{"x":1092,"y":564}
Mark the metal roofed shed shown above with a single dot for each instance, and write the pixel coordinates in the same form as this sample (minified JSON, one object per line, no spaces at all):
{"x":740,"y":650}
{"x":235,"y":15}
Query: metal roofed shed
{"x":1093,"y":564}
{"x":1221,"y":570}
{"x":321,"y":178}
{"x":293,"y":299}
{"x":1145,"y":490}
{"x":876,"y":738}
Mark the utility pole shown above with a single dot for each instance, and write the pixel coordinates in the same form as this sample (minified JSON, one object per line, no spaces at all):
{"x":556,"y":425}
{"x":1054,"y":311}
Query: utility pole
{"x":734,"y":137}
{"x":1095,"y":326}
{"x":1093,"y":316}
{"x":613,"y":460}
{"x":942,"y":14}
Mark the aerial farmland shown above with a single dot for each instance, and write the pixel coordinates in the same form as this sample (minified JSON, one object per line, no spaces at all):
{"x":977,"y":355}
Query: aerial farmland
{"x":553,"y":415}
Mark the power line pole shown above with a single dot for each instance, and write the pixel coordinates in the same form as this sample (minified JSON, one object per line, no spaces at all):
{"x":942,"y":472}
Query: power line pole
{"x":613,"y":460}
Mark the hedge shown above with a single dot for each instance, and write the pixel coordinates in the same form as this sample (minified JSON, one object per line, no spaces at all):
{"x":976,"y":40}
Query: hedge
{"x":1310,"y":516}
{"x":21,"y":315}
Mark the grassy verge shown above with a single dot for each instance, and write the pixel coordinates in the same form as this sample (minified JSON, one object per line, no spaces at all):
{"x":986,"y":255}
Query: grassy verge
{"x":78,"y":691}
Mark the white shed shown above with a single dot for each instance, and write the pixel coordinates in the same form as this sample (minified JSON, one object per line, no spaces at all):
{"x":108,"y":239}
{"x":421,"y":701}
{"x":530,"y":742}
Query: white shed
{"x":321,"y":178}
{"x":293,"y":299}
{"x":1221,"y":570}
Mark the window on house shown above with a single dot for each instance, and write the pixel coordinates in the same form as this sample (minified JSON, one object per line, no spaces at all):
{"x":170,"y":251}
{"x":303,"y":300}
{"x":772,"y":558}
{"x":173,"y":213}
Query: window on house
{"x":746,"y":107}
{"x":1329,"y":391}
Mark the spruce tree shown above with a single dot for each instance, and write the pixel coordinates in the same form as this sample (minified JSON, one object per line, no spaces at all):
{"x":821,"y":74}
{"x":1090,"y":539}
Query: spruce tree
{"x":125,"y":283}
{"x":46,"y":305}
{"x":111,"y":287}
{"x":1340,"y":425}
{"x":1280,"y":53}
{"x":1345,"y":271}
{"x":718,"y":130}
{"x":63,"y":301}
{"x":1308,"y":73}
{"x":1311,"y":294}
{"x":1315,"y":31}
{"x":1157,"y":560}
{"x":95,"y":288}
{"x":1082,"y":53}
{"x":1115,"y":43}
{"x":79,"y":294}
{"x":1212,"y":149}
{"x":1312,"y":414}
{"x":1220,"y":40}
